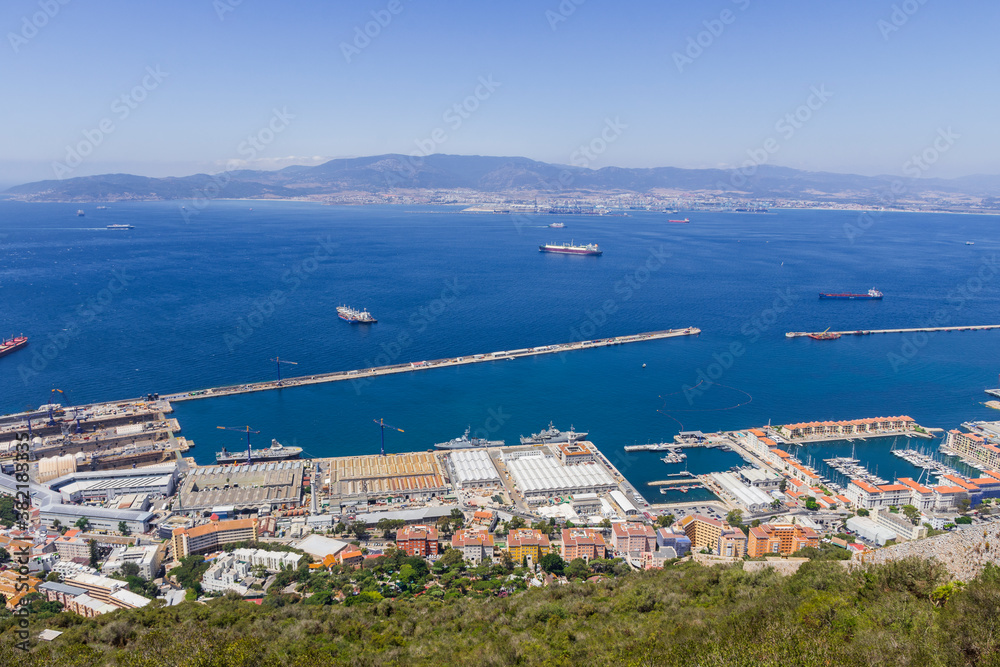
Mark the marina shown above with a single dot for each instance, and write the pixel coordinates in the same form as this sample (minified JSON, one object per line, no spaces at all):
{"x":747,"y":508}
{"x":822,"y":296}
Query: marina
{"x":838,"y":334}
{"x":367,"y":373}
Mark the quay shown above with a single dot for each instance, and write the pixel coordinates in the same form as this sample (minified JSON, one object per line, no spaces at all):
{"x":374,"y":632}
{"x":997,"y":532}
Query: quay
{"x":366,"y":373}
{"x":798,"y":334}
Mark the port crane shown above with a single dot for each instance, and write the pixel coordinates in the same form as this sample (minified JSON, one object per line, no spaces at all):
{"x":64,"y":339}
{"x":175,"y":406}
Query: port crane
{"x":278,"y":361}
{"x":383,"y":426}
{"x":241,"y":429}
{"x":52,"y":421}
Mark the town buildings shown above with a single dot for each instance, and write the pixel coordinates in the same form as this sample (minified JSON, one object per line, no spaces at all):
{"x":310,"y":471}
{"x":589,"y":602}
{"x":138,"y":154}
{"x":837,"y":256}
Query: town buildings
{"x":527,"y":543}
{"x":632,"y":537}
{"x":418,"y":540}
{"x":584,"y":543}
{"x":779,"y":538}
{"x":212,"y":535}
{"x":476,"y":545}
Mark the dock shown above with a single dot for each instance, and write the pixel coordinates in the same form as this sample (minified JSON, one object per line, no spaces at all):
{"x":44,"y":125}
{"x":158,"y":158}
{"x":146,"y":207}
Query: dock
{"x":365,"y":374}
{"x":866,"y":332}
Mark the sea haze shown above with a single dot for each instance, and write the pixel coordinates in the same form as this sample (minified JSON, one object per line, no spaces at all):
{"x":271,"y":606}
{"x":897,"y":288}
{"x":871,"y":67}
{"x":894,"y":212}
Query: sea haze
{"x":180,"y":304}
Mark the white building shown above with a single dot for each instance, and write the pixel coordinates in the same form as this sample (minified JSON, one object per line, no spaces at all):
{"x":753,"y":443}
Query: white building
{"x":275,"y":561}
{"x":147,"y":557}
{"x":752,"y":498}
{"x":473,"y":468}
{"x":542,"y":476}
{"x":869,"y":530}
{"x":225,"y":574}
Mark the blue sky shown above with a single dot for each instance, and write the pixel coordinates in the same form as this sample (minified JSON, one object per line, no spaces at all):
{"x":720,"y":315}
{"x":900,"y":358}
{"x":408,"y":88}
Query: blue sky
{"x":561,"y":71}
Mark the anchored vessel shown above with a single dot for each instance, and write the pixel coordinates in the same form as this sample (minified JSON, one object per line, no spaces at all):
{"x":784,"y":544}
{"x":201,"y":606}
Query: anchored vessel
{"x":826,"y":335}
{"x":355,"y":316}
{"x":552,"y":435}
{"x":465,"y":442}
{"x":120,"y":227}
{"x":276,"y":452}
{"x":872,"y":294}
{"x":683,"y":222}
{"x":570,"y":249}
{"x":11,"y":344}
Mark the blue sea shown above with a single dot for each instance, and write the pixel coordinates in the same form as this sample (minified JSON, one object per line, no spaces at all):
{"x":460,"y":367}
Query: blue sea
{"x":184,"y":302}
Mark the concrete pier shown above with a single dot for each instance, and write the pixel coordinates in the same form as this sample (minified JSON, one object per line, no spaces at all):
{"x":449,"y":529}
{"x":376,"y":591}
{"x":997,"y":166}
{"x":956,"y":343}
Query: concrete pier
{"x":366,"y":373}
{"x":865,"y":332}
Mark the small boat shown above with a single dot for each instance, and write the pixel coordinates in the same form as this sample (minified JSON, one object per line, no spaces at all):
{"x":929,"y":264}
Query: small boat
{"x":80,"y":212}
{"x":557,"y":225}
{"x":120,"y":227}
{"x":970,"y":243}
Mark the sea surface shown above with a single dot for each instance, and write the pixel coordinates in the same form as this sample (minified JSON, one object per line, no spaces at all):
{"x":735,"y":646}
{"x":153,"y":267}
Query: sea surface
{"x":204,"y":297}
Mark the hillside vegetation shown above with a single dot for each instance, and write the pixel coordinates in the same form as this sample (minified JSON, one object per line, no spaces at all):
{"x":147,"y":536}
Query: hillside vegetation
{"x":900,"y":613}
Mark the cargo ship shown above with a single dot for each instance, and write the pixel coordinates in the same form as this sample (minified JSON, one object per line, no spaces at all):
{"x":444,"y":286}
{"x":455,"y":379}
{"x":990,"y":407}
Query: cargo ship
{"x":570,"y":249}
{"x":826,"y":335}
{"x":120,"y":227}
{"x":12,"y":344}
{"x":552,"y":435}
{"x":276,"y":452}
{"x":355,"y":316}
{"x":465,"y":442}
{"x":872,"y":294}
{"x":683,"y":222}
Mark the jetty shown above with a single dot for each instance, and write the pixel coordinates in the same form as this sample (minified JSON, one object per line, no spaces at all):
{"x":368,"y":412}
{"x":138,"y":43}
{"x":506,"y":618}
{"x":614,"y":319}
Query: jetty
{"x":866,"y":332}
{"x":366,"y":374}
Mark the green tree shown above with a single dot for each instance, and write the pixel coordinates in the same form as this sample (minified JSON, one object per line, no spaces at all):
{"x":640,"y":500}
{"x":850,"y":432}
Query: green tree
{"x":95,"y":559}
{"x":124,"y":529}
{"x":515,"y":523}
{"x":912,"y":513}
{"x":384,"y":525}
{"x":605,"y":523}
{"x":963,"y":505}
{"x":663,"y":521}
{"x":577,"y":569}
{"x":4,"y":555}
{"x":130,"y":569}
{"x":359,"y":530}
{"x":552,"y":563}
{"x":863,"y":512}
{"x":783,"y":485}
{"x":735,"y":518}
{"x":963,"y":520}
{"x":452,"y":557}
{"x":83,"y":523}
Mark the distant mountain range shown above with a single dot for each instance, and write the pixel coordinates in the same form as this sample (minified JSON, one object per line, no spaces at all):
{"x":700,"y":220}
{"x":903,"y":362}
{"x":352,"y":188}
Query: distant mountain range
{"x":393,"y":172}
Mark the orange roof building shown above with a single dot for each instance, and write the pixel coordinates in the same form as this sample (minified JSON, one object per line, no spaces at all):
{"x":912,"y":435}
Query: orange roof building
{"x":212,"y":536}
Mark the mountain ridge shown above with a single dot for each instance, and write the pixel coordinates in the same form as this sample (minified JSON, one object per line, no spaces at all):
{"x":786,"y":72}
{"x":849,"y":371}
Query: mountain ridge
{"x":507,"y":175}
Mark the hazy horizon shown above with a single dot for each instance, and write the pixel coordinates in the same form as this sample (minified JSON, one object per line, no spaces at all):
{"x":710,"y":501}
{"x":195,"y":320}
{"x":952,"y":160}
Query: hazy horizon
{"x":855,"y":88}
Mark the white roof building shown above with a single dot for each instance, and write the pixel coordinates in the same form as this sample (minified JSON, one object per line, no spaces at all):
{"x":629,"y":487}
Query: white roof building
{"x":473,"y":467}
{"x":544,"y":476}
{"x":624,"y":503}
{"x":869,"y":530}
{"x":750,"y":497}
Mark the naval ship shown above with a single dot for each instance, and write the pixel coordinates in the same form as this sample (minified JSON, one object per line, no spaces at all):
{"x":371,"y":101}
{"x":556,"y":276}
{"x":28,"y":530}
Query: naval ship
{"x":276,"y":452}
{"x":552,"y":435}
{"x":465,"y":442}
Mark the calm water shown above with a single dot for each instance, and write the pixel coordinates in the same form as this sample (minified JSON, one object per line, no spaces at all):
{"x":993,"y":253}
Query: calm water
{"x":175,"y":305}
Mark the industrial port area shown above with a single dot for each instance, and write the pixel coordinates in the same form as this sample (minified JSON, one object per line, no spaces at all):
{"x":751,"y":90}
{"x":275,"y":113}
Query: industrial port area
{"x":118,"y":475}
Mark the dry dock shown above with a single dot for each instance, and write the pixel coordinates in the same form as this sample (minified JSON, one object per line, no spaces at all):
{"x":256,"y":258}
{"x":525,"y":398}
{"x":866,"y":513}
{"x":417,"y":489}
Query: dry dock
{"x":797,"y":334}
{"x":365,"y":373}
